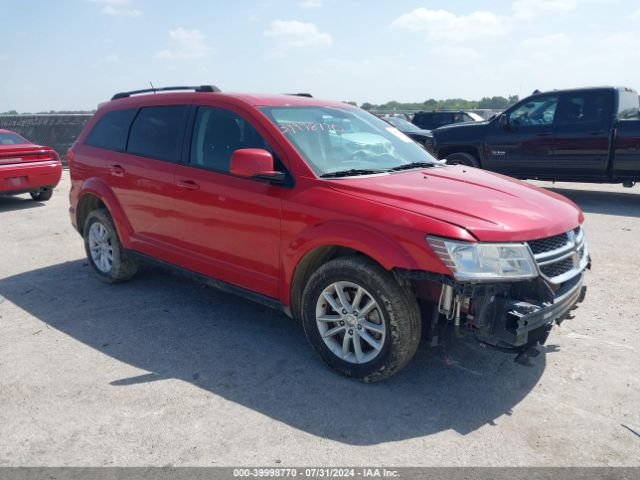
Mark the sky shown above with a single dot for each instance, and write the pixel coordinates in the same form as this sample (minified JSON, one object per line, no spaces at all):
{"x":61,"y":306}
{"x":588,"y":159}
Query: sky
{"x":74,"y":54}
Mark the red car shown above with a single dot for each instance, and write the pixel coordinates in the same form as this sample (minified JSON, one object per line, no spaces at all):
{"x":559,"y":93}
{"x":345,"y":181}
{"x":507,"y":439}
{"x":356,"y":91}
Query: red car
{"x":328,"y":213}
{"x":25,"y":167}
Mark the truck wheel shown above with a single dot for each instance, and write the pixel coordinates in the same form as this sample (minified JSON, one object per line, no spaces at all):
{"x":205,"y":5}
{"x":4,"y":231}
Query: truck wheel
{"x":359,"y":319}
{"x":42,"y":195}
{"x":110,"y":262}
{"x":462,"y":159}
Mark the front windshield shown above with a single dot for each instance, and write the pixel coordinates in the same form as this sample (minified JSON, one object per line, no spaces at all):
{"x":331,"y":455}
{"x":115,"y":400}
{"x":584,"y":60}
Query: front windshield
{"x":333,"y":139}
{"x":402,"y":124}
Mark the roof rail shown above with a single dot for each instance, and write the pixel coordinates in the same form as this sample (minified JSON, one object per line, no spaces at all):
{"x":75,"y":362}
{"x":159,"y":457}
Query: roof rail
{"x":201,"y":88}
{"x":308,"y":95}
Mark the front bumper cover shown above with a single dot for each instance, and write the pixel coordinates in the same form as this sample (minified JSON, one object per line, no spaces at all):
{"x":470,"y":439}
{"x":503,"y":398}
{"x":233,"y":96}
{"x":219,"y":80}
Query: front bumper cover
{"x":511,"y":316}
{"x":514,"y":323}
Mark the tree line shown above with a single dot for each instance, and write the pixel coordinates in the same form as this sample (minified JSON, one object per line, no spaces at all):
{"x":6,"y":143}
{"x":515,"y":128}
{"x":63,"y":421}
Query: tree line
{"x":494,"y":103}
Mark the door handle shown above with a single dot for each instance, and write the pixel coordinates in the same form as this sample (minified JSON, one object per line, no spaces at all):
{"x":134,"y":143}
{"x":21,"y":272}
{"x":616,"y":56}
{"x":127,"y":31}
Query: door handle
{"x":187,"y":184}
{"x":116,"y":170}
{"x":544,"y":134}
{"x":596,"y":132}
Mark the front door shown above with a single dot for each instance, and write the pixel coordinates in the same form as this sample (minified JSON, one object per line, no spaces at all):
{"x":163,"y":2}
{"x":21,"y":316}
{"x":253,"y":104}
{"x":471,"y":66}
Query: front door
{"x":524,"y":147}
{"x":230,"y":226}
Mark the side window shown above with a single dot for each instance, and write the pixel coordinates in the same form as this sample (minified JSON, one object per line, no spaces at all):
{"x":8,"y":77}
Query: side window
{"x":537,"y":111}
{"x":110,"y":131}
{"x":628,"y":104}
{"x":157,"y":132}
{"x":587,"y":107}
{"x":217,"y":134}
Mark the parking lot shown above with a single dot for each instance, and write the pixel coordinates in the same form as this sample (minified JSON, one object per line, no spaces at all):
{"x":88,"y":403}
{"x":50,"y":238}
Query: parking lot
{"x":163,"y":371}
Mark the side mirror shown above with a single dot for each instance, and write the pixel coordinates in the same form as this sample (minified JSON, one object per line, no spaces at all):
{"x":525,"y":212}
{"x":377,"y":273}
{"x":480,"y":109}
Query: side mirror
{"x":255,"y":163}
{"x":503,"y":121}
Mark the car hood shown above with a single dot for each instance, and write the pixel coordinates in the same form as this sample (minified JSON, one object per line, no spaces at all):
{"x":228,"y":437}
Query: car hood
{"x":461,"y":125}
{"x":490,"y":206}
{"x":420,"y":131}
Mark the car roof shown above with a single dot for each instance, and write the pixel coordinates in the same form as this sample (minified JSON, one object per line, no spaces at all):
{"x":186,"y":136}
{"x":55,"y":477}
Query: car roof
{"x":247,"y":99}
{"x":582,"y":89}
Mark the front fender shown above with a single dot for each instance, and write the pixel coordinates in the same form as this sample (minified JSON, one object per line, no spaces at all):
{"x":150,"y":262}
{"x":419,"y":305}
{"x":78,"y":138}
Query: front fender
{"x":367,"y":240}
{"x":98,"y":187}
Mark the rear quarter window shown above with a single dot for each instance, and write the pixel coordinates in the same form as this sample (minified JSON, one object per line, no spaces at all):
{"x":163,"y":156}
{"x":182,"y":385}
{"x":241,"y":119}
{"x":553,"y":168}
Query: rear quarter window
{"x":110,"y":131}
{"x":157,"y":132}
{"x":628,"y":104}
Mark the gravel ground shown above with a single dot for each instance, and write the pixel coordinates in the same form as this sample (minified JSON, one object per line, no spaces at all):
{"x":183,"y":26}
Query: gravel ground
{"x":163,"y":371}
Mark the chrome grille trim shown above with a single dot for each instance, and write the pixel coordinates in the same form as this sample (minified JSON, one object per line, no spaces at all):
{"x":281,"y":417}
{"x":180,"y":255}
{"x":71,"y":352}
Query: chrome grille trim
{"x":575,"y":249}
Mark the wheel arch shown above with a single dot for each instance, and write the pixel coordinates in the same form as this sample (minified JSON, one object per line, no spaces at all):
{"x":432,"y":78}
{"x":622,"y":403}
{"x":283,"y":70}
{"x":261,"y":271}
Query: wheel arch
{"x":307,"y":258}
{"x":95,"y":194}
{"x":445,"y":151}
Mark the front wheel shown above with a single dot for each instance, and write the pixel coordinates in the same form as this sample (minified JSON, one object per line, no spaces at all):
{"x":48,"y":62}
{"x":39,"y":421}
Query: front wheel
{"x":359,"y":319}
{"x":109,"y":260}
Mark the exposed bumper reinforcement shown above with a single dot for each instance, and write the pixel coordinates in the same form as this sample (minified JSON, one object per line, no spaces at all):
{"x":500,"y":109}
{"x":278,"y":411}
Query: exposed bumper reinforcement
{"x":514,"y":322}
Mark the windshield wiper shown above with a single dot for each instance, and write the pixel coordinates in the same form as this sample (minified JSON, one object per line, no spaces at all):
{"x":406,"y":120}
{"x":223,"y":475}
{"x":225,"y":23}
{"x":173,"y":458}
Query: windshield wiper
{"x":350,"y":172}
{"x":409,"y":166}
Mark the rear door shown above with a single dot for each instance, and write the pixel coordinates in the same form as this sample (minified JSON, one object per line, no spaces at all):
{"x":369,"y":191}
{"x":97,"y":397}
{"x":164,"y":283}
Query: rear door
{"x":229,"y":226}
{"x":583,"y":128}
{"x":143,"y":177}
{"x":524,"y":148}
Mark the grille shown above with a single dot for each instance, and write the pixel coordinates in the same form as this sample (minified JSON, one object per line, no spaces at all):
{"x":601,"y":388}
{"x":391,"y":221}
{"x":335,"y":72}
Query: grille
{"x":548,"y":244}
{"x":558,"y":268}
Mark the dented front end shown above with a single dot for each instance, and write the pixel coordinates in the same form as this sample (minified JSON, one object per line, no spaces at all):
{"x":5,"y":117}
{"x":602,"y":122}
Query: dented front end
{"x":512,"y":315}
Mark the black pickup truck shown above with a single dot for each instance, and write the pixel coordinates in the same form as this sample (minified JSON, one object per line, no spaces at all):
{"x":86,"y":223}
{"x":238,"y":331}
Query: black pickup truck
{"x":581,"y":135}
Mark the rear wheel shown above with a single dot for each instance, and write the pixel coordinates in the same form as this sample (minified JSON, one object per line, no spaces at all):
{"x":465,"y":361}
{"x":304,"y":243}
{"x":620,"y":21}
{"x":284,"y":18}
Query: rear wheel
{"x":359,"y":319}
{"x":109,"y":260}
{"x":462,"y":159}
{"x":42,"y":195}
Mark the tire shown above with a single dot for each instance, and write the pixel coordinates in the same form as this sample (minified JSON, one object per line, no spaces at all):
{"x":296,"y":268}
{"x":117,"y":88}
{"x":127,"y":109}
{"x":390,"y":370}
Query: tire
{"x":42,"y":195}
{"x":109,"y":261}
{"x":462,"y":159}
{"x":393,"y":324}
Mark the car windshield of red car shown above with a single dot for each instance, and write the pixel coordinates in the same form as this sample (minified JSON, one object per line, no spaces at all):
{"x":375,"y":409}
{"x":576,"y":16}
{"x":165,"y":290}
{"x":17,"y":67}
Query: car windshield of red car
{"x":334,"y":140}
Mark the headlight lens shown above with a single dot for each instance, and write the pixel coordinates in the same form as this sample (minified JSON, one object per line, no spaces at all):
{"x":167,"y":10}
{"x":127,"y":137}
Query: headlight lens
{"x":485,"y":261}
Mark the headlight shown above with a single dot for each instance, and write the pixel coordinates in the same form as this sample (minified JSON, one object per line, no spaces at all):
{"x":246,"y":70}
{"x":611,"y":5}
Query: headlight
{"x":485,"y":261}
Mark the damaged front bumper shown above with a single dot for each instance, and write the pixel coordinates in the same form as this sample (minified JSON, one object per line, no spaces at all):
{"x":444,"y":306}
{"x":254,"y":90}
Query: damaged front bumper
{"x":509,"y":316}
{"x":510,"y":323}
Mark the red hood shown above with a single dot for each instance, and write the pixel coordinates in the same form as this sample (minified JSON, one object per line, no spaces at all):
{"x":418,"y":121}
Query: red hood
{"x":490,"y":206}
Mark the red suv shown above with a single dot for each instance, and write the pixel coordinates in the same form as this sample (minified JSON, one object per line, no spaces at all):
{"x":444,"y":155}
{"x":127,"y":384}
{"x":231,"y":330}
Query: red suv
{"x":328,"y":213}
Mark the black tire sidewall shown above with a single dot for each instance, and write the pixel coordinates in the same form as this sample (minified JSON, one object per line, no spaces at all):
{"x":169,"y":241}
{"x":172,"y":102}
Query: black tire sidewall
{"x":42,"y":195}
{"x":102,"y":217}
{"x":377,"y":283}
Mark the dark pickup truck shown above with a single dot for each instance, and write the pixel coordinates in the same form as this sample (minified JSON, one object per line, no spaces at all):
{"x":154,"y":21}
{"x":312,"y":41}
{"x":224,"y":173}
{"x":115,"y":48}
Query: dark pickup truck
{"x":581,"y":135}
